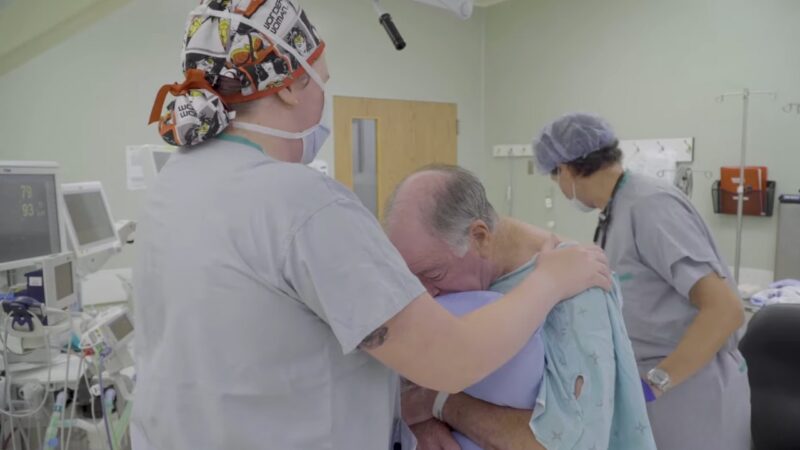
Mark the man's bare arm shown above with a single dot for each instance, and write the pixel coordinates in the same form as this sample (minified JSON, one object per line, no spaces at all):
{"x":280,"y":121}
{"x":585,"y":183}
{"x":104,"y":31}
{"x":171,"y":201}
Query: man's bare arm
{"x":490,"y":426}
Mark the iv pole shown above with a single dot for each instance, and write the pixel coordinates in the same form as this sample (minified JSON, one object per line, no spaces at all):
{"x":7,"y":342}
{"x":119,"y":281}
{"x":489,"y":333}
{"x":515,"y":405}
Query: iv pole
{"x":745,"y":94}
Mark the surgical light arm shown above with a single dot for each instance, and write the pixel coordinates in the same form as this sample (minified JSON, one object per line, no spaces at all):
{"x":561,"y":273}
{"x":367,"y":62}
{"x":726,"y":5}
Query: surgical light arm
{"x":385,"y":19}
{"x":460,"y":8}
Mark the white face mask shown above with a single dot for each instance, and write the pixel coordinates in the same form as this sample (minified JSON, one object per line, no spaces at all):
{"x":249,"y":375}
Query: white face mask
{"x":579,"y":205}
{"x":576,"y":203}
{"x":313,"y":138}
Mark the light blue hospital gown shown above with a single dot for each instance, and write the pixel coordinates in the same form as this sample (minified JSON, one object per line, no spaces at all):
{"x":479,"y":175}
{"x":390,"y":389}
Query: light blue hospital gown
{"x":586,"y":337}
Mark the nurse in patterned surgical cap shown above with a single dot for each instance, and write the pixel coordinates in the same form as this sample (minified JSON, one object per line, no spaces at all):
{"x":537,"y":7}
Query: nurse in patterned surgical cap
{"x":272,"y":312}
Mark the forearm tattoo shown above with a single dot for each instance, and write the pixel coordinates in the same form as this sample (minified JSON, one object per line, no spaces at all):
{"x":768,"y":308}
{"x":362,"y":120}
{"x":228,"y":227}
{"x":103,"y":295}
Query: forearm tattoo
{"x":375,"y":339}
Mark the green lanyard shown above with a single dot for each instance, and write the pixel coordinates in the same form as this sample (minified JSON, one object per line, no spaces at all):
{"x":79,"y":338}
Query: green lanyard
{"x":240,"y":140}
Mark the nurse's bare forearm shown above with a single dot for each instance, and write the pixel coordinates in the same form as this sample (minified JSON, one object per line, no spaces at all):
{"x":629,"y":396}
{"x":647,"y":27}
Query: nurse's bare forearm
{"x":490,"y":426}
{"x":432,"y":348}
{"x":721,"y":314}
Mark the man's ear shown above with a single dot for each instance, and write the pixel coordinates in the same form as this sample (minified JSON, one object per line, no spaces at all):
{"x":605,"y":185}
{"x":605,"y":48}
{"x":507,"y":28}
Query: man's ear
{"x":481,"y":237}
{"x":288,"y":97}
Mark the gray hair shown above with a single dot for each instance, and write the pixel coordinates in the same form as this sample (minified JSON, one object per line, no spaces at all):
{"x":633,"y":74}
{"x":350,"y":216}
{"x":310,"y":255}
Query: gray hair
{"x":460,"y":201}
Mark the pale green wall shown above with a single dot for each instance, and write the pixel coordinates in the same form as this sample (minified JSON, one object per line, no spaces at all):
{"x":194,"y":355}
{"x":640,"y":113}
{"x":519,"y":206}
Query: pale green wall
{"x":653,"y":68}
{"x":82,"y":101}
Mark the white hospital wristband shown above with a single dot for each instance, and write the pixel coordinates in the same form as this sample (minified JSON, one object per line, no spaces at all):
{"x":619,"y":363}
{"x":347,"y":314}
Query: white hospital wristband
{"x":438,"y":405}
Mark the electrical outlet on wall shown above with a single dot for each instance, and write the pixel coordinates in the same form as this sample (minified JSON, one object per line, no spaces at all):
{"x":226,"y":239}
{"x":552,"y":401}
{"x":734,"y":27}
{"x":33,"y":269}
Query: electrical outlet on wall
{"x":522,"y":150}
{"x":501,"y":151}
{"x":512,"y":151}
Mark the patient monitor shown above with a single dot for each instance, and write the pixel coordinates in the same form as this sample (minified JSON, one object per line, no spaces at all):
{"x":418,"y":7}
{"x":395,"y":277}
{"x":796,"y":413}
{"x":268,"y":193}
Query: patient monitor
{"x":90,"y":226}
{"x":108,"y":336}
{"x":54,"y":282}
{"x":59,"y":276}
{"x":31,"y":223}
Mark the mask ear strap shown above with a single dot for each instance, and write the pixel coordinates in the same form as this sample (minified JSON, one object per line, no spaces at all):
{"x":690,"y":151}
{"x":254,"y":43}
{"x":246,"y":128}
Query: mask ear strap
{"x":326,"y":111}
{"x":204,"y":10}
{"x":271,"y":131}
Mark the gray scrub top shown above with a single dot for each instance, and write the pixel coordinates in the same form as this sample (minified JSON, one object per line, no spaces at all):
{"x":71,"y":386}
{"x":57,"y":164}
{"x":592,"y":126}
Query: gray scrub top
{"x":660,"y":247}
{"x":255,"y":282}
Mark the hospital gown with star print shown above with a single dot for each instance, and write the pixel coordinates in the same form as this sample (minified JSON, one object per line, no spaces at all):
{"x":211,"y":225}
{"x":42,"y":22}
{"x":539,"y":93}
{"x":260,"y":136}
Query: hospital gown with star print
{"x":586,"y":337}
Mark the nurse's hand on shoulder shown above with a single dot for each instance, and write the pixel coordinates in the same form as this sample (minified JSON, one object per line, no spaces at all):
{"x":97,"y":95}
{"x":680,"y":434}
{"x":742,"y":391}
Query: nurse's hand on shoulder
{"x":432,"y":348}
{"x":434,"y":435}
{"x":574,"y":269}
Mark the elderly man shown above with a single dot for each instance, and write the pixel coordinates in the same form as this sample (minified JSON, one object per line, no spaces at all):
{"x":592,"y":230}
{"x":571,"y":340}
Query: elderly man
{"x":453,"y":241}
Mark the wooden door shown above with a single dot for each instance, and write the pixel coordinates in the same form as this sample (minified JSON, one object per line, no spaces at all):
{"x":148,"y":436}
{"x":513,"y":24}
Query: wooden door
{"x":408,"y":135}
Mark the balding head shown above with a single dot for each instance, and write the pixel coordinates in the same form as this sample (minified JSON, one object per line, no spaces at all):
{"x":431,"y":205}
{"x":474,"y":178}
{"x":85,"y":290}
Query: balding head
{"x":445,"y":199}
{"x":440,"y":221}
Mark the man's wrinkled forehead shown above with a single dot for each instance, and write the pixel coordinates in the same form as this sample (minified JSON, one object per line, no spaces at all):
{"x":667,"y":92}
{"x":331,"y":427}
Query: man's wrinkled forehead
{"x":410,"y":235}
{"x":429,"y":258}
{"x":417,"y":245}
{"x":407,"y":225}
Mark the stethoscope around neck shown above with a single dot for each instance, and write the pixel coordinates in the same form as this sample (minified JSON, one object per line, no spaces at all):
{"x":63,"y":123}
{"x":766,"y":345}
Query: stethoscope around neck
{"x":604,"y":221}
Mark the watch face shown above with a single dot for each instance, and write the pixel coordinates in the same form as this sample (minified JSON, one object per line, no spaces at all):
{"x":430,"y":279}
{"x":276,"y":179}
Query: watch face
{"x":658,"y":377}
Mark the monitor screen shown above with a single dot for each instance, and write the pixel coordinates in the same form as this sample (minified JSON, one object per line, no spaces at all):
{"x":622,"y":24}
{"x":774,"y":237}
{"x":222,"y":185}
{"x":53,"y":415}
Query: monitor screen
{"x":160,"y":159}
{"x":28,"y":216}
{"x":64,"y":281}
{"x":121,"y":327}
{"x":89,"y":216}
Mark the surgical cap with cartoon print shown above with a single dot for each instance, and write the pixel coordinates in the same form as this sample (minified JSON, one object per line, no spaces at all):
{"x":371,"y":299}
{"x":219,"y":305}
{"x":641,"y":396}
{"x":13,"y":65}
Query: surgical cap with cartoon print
{"x":234,"y":51}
